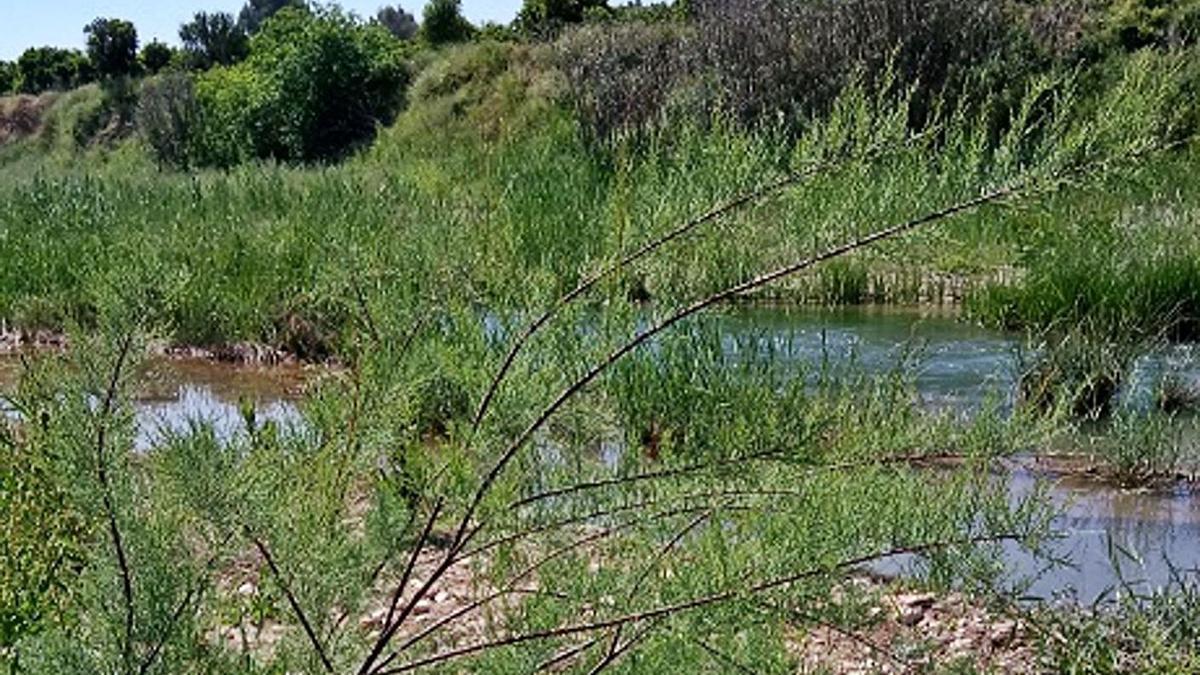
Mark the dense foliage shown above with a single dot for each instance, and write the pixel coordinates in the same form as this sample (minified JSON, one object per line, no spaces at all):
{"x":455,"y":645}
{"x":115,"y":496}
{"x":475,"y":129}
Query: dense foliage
{"x":443,"y":23}
{"x":155,"y":56}
{"x":213,"y":40}
{"x":43,"y":68}
{"x":313,"y":87}
{"x":112,"y":47}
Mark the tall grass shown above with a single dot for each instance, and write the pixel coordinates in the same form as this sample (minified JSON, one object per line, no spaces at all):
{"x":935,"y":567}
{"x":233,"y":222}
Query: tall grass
{"x":495,"y":221}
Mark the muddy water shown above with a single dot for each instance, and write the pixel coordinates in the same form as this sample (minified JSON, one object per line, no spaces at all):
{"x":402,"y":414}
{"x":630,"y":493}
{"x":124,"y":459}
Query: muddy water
{"x":1110,"y":535}
{"x":1117,"y":541}
{"x":177,"y":393}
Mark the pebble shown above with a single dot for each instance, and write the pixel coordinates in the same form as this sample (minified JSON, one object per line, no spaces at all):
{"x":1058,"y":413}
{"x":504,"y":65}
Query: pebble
{"x":1003,"y":633}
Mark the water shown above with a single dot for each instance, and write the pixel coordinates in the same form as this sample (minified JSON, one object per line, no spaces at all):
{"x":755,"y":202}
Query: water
{"x":1118,"y":541}
{"x":957,"y":366}
{"x":176,"y":393}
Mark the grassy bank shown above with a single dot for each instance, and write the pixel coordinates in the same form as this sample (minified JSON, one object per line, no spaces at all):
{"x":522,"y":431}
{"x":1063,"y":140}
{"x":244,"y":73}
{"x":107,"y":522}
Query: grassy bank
{"x":439,"y":211}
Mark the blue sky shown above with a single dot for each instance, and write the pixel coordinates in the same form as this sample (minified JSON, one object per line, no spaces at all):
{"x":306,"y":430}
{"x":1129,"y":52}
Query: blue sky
{"x":33,"y":23}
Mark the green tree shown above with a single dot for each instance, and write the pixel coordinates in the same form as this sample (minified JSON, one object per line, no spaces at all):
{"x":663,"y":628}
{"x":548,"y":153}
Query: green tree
{"x":112,"y":47}
{"x":8,"y":77}
{"x":542,"y":15}
{"x":398,"y":22}
{"x":314,"y":86}
{"x":213,"y":39}
{"x":43,"y":68}
{"x":444,"y":23}
{"x":256,"y":12}
{"x":155,"y":56}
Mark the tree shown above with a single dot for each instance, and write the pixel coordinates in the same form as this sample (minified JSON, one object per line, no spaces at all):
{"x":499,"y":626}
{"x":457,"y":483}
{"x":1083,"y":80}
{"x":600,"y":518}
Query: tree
{"x":542,"y":15}
{"x":155,"y":56}
{"x":316,"y":85}
{"x":43,"y":68}
{"x":444,"y":23}
{"x":256,"y":12}
{"x":112,"y":47}
{"x":213,"y":39}
{"x":399,"y":22}
{"x":8,"y":77}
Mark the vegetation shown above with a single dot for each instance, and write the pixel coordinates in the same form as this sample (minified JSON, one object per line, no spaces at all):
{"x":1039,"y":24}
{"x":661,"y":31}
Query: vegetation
{"x":508,"y":248}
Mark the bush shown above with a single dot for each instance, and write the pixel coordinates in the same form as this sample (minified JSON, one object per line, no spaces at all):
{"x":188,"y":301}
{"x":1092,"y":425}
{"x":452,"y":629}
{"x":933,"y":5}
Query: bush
{"x":444,"y":23}
{"x":767,"y":62}
{"x":1134,"y":24}
{"x":314,"y":87}
{"x":623,"y":75}
{"x":155,"y":56}
{"x":166,"y":118}
{"x":782,"y":58}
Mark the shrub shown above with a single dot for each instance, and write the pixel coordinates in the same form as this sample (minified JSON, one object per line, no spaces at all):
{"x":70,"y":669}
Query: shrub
{"x":156,"y":56}
{"x":1134,"y":24}
{"x":544,"y":16}
{"x":8,"y":77}
{"x":776,"y":58}
{"x":167,"y":116}
{"x":314,"y":86}
{"x":444,"y":23}
{"x":622,"y":75}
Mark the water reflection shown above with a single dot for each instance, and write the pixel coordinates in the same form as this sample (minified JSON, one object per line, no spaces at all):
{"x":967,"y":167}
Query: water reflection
{"x":177,"y":393}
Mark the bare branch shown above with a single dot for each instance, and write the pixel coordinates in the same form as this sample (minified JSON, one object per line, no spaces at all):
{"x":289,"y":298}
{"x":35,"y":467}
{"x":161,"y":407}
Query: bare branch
{"x":390,"y":628}
{"x":294,"y":603}
{"x":110,"y":511}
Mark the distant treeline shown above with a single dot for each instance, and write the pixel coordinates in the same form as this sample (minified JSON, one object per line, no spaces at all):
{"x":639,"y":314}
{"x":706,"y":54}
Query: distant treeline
{"x":291,"y":80}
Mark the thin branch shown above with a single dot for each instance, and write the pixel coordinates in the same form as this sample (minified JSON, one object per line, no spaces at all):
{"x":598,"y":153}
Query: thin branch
{"x":700,"y":305}
{"x":696,"y":468}
{"x":152,"y":656}
{"x":696,"y":603}
{"x":617,"y":651}
{"x":390,"y":627}
{"x":110,"y":512}
{"x":614,"y":646}
{"x":565,"y":655}
{"x":646,"y":249}
{"x":652,"y":475}
{"x":509,"y":586}
{"x":294,"y":603}
{"x":722,"y":657}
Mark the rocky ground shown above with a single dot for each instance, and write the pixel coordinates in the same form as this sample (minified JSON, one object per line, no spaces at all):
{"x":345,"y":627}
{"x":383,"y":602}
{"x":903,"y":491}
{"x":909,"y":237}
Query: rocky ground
{"x":908,"y":632}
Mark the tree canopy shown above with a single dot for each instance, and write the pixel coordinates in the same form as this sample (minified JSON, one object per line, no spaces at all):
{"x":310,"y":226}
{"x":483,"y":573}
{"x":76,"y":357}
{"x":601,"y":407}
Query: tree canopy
{"x":213,"y":39}
{"x":398,"y":22}
{"x":444,"y":23}
{"x":42,"y":68}
{"x":155,"y":56}
{"x":256,"y":12}
{"x":112,"y":47}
